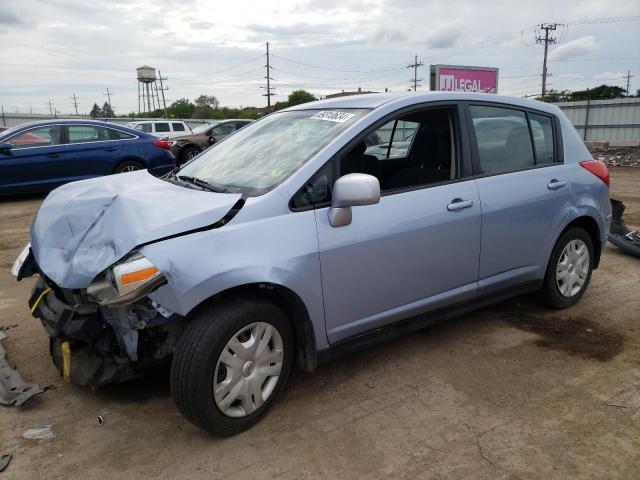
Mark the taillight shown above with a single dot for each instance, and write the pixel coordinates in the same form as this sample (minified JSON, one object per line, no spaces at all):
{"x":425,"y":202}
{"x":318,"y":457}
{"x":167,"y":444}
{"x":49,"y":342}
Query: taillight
{"x":163,"y":143}
{"x":599,"y":169}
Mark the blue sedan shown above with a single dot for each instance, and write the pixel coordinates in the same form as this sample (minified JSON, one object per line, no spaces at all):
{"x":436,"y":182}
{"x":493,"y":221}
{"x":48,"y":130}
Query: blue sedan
{"x":40,"y":156}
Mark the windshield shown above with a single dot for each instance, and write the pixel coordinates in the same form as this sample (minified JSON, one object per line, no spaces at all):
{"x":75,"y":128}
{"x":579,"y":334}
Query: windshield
{"x":261,"y":155}
{"x":204,"y":127}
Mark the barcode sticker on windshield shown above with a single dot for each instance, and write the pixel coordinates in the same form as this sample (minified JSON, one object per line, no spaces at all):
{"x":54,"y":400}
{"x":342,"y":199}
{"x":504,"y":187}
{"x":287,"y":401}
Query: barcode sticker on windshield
{"x":338,"y":117}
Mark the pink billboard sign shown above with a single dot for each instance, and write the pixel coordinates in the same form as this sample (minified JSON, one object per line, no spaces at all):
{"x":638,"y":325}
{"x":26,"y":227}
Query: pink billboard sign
{"x":467,"y":79}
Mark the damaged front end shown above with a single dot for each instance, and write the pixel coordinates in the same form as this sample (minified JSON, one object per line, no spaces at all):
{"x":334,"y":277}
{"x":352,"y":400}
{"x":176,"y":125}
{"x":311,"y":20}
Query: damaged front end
{"x":109,"y":331}
{"x":97,"y":344}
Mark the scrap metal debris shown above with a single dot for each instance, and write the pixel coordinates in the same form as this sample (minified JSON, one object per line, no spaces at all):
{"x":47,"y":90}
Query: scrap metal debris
{"x":14,"y":390}
{"x":42,"y":431}
{"x":5,"y":458}
{"x":626,"y":240}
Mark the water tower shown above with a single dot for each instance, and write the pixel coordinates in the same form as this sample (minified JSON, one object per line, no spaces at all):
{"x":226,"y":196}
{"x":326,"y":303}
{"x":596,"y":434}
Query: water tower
{"x":147,"y":88}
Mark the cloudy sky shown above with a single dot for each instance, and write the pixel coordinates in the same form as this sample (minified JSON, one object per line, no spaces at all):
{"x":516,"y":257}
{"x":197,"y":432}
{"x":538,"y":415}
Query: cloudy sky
{"x":55,"y":48}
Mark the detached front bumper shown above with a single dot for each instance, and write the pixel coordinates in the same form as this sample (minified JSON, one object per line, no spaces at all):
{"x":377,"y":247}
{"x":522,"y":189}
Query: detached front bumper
{"x":81,"y":342}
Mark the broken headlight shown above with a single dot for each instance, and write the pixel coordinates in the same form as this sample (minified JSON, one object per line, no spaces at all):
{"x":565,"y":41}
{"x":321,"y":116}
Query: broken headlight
{"x":126,"y":281}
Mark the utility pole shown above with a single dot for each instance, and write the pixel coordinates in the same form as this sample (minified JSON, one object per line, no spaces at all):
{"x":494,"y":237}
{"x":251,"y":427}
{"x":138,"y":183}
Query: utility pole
{"x":4,"y":120}
{"x":269,"y":93}
{"x":163,"y":88}
{"x":547,"y":27}
{"x":415,"y":66}
{"x":108,"y":94}
{"x":50,"y":108}
{"x":628,"y":77}
{"x":75,"y":102}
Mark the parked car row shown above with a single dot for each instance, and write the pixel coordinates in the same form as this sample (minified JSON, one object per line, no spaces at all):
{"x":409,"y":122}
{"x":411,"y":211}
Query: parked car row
{"x":40,"y":156}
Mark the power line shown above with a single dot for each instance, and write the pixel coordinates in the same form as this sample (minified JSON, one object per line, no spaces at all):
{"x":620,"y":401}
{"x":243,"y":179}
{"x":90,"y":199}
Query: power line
{"x":381,"y":69}
{"x":268,"y":88}
{"x":75,"y":102}
{"x":415,"y":66}
{"x":628,"y":77}
{"x":108,"y":94}
{"x":546,"y":40}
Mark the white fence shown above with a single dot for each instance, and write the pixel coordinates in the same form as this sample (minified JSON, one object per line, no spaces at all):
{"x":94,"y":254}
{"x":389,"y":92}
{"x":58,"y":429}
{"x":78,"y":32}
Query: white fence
{"x":615,"y":121}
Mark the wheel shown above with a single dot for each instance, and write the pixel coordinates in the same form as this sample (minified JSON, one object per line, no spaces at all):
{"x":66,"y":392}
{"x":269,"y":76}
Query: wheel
{"x":189,"y":153}
{"x":129,"y":166}
{"x":569,"y":269}
{"x":231,"y":363}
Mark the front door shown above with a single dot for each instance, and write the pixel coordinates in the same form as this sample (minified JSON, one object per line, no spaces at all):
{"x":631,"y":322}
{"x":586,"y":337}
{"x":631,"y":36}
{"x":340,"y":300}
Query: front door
{"x":35,"y":160}
{"x":418,"y":249}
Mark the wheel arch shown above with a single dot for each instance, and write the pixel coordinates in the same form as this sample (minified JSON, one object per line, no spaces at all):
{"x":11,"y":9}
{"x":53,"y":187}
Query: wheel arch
{"x":305,"y":355}
{"x":590,"y":225}
{"x":129,"y":158}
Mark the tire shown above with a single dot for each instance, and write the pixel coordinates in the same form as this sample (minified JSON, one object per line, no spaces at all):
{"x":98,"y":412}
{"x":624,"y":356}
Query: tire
{"x":199,"y":365}
{"x":188,"y":153}
{"x":567,"y":276}
{"x":129,"y":166}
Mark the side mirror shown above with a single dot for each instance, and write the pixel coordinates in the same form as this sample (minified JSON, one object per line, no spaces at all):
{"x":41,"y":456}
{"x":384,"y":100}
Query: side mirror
{"x":352,"y":190}
{"x":5,"y":147}
{"x":212,"y":139}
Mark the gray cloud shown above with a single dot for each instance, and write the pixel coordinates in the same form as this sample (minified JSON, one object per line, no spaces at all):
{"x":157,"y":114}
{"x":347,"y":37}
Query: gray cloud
{"x":575,"y":48}
{"x":10,"y":19}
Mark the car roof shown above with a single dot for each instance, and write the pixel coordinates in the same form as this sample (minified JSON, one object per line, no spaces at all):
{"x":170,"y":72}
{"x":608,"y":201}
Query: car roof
{"x":375,"y":100}
{"x":70,"y":121}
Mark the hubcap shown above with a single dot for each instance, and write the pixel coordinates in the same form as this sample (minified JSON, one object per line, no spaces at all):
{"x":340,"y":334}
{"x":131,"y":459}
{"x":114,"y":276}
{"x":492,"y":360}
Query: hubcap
{"x":573,"y":268}
{"x":129,"y":168}
{"x":248,"y":369}
{"x":191,"y":154}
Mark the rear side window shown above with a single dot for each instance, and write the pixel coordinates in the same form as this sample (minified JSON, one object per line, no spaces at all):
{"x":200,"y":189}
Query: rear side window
{"x":178,"y":127}
{"x":162,"y":127}
{"x":87,"y":133}
{"x":144,"y":127}
{"x":542,"y":131}
{"x":503,"y":138}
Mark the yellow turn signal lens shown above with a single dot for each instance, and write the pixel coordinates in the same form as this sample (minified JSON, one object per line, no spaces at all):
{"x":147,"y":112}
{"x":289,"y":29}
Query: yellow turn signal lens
{"x":138,"y":276}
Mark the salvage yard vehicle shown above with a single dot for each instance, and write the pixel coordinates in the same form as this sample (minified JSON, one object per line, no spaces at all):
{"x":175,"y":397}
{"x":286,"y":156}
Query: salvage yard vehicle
{"x":40,"y":156}
{"x":287,"y":244}
{"x":186,"y":147}
{"x":161,"y":128}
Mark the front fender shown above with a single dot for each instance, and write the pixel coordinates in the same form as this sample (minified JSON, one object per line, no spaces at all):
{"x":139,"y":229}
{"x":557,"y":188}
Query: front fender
{"x":282,"y":250}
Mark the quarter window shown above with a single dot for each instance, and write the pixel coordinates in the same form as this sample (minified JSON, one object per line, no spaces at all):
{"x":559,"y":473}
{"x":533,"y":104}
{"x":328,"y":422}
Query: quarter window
{"x":37,"y":137}
{"x":542,"y":131}
{"x":178,"y":127}
{"x":504,"y":141}
{"x":162,"y":127}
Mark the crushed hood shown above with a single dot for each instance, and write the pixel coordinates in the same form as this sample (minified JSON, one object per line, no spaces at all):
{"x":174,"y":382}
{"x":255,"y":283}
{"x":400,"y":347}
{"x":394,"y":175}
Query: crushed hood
{"x":84,"y":227}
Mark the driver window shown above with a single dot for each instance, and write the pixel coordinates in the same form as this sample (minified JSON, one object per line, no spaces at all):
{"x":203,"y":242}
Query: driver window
{"x":37,"y":137}
{"x":411,"y":150}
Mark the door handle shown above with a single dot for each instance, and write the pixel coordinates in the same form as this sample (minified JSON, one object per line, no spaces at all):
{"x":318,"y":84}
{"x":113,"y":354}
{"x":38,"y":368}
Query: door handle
{"x":459,"y":204}
{"x":54,"y":155}
{"x":556,"y":184}
{"x":110,"y":149}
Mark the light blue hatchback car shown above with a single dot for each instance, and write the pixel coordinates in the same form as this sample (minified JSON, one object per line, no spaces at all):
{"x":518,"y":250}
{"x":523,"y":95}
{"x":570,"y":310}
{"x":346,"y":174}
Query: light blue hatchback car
{"x":313,"y":231}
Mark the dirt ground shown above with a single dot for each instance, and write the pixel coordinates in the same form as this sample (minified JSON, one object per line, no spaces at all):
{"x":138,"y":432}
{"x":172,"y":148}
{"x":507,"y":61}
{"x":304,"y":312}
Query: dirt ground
{"x":514,"y":391}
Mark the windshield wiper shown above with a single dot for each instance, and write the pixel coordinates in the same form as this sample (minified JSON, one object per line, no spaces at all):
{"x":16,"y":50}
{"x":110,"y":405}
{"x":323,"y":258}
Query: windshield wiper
{"x":202,"y":184}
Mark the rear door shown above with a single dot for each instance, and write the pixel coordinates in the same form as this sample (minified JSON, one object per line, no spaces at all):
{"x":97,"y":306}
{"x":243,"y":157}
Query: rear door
{"x":35,"y":160}
{"x":92,"y":150}
{"x":524,"y":191}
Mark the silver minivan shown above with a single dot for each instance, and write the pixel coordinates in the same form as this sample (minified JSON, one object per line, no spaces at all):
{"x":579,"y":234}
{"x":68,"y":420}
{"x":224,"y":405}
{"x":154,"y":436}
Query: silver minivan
{"x":313,"y":231}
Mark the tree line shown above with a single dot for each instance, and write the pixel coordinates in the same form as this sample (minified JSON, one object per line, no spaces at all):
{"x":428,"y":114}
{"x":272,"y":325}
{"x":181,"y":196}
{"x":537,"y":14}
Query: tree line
{"x":208,"y":106}
{"x":602,"y":92}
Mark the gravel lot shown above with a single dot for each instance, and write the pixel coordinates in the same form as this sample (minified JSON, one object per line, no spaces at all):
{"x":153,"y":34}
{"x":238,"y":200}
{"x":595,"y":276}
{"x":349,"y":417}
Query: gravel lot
{"x":513,"y":391}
